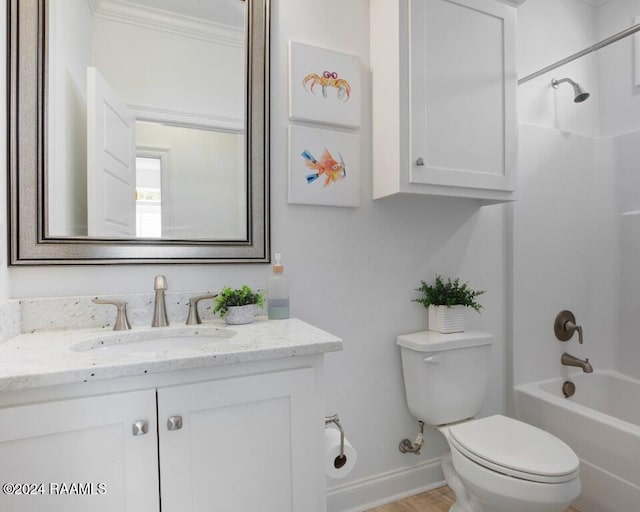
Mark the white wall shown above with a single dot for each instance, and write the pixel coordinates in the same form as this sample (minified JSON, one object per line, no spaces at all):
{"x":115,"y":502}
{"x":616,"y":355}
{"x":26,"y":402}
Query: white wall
{"x":565,"y":226}
{"x":547,"y":31}
{"x":352,"y":272}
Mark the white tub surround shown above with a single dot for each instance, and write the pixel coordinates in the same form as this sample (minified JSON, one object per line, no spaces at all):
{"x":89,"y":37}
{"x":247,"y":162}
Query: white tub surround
{"x":50,"y":358}
{"x":601,"y":423}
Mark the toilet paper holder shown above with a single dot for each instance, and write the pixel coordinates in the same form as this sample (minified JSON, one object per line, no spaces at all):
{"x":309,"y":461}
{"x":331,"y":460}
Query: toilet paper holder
{"x":341,"y":459}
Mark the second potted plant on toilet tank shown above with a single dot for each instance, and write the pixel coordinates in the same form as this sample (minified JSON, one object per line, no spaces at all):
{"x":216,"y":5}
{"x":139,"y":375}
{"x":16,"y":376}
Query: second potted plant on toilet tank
{"x":446,"y":301}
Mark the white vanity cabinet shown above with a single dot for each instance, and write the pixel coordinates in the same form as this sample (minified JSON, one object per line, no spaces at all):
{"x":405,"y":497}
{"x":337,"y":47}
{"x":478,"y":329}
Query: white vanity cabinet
{"x":45,"y":448}
{"x":244,"y":444}
{"x":444,"y":98}
{"x":214,"y":442}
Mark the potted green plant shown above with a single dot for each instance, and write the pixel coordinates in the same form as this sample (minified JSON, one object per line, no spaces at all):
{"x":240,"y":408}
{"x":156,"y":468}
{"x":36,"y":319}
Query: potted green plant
{"x":446,"y":302}
{"x":238,"y":306}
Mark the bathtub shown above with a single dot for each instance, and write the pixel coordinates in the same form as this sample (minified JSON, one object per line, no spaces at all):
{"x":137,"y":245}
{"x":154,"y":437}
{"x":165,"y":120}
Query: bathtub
{"x":601,"y":422}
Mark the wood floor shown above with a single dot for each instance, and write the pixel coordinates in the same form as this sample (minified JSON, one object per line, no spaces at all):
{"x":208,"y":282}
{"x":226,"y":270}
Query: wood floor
{"x":438,"y":500}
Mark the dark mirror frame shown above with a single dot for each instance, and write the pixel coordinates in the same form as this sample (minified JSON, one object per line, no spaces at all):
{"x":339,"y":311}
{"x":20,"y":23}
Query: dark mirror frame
{"x":26,"y":131}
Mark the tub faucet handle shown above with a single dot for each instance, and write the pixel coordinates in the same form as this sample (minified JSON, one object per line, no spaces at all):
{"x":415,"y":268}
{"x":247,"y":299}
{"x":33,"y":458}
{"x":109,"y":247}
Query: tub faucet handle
{"x":565,"y":325}
{"x":573,"y":327}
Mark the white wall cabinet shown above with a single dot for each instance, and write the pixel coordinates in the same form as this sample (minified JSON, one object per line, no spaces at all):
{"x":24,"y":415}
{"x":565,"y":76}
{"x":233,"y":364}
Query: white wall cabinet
{"x":444,"y":104}
{"x":232,"y":444}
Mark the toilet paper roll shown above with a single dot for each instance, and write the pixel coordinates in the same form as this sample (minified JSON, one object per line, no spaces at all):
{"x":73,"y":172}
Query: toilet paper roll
{"x":336,"y":467}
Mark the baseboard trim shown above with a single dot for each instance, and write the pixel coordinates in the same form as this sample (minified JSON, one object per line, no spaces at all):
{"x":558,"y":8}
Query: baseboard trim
{"x":384,"y":488}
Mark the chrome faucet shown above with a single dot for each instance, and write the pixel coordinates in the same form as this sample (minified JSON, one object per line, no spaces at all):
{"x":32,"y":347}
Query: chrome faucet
{"x":160,"y":307}
{"x":569,"y":360}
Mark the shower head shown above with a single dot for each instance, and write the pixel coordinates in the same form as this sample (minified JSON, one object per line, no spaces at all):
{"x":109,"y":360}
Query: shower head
{"x":579,"y":92}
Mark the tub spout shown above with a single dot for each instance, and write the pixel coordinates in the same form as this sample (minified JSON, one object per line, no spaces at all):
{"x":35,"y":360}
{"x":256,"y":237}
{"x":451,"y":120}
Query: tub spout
{"x":569,"y":360}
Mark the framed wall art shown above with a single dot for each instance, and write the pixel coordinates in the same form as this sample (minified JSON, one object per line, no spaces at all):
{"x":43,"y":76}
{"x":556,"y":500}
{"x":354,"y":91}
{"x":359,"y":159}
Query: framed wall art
{"x":324,"y":86}
{"x":324,"y":167}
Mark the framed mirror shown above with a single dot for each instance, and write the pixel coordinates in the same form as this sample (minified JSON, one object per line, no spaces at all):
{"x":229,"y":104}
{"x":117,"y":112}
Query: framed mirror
{"x":138,"y":131}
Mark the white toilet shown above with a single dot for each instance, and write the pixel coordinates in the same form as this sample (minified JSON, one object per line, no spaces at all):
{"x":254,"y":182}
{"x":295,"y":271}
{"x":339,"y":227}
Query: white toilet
{"x":496,"y":464}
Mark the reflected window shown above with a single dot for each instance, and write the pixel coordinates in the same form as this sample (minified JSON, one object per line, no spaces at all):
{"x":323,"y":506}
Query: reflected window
{"x":148,"y":197}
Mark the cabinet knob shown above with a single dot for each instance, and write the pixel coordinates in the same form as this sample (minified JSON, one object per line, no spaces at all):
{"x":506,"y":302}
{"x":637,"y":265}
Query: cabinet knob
{"x":420,"y":162}
{"x":140,"y":428}
{"x":174,"y":423}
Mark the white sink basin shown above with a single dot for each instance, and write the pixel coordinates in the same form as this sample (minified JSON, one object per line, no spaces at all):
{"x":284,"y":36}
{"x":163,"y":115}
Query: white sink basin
{"x":153,"y":340}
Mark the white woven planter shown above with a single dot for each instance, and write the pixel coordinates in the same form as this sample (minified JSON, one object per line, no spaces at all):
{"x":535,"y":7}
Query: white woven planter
{"x":238,"y":315}
{"x":445,"y":319}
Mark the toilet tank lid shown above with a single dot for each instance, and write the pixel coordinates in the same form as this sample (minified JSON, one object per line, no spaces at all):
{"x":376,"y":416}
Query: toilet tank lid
{"x":431,"y":341}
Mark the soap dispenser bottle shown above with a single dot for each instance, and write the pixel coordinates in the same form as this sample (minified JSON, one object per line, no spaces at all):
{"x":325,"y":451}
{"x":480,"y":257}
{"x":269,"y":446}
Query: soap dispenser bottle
{"x":278,"y":292}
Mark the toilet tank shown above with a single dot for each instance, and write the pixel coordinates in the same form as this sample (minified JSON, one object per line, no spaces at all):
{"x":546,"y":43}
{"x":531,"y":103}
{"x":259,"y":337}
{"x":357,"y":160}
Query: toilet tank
{"x":445,"y":375}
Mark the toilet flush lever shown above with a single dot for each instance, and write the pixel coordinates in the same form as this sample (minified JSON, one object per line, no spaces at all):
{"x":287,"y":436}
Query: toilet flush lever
{"x":432,"y":359}
{"x":565,"y":325}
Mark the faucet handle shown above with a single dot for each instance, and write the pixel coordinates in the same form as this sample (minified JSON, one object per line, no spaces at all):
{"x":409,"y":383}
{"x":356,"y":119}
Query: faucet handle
{"x":573,"y":327}
{"x":565,"y":325}
{"x":122,"y":320}
{"x":194,"y":317}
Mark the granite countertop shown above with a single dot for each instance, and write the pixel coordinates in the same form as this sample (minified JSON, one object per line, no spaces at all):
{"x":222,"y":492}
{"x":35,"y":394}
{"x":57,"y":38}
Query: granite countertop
{"x":47,"y":358}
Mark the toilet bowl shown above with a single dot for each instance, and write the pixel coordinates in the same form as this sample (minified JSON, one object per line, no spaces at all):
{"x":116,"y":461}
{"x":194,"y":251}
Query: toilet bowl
{"x":496,"y":464}
{"x":506,"y":465}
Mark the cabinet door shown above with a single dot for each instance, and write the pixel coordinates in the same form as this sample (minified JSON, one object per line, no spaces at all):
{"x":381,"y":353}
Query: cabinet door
{"x":84,"y":454}
{"x":245,"y":444}
{"x":463,"y":83}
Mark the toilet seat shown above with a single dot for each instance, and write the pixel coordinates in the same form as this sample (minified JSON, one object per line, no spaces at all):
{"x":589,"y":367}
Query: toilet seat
{"x":515,"y":449}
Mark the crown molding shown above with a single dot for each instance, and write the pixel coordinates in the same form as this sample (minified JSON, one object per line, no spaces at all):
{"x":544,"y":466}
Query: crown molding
{"x":158,"y":19}
{"x":187,"y":119}
{"x":514,"y":3}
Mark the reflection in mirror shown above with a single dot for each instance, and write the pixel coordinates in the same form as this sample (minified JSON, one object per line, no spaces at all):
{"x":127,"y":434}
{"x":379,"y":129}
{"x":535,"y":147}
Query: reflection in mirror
{"x":201,"y":180}
{"x":138,"y":131}
{"x":142,"y":85}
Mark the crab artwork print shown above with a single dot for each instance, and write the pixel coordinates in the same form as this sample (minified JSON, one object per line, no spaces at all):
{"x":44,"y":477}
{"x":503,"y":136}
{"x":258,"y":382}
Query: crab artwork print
{"x":324,"y":86}
{"x":327,"y":80}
